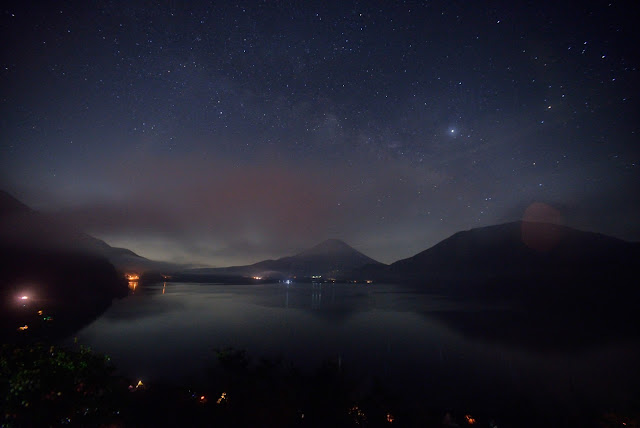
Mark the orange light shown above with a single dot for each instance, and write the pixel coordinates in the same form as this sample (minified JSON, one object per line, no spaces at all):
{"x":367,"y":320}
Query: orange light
{"x":357,"y":413}
{"x":139,"y":386}
{"x":469,"y":419}
{"x":390,"y":418}
{"x":24,"y":327}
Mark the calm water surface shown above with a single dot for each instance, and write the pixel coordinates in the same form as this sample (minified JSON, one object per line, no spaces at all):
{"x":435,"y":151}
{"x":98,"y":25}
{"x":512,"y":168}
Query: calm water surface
{"x":168,"y":332}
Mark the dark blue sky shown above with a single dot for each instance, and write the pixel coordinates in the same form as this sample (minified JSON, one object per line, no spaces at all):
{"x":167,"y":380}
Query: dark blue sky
{"x":225,"y":134}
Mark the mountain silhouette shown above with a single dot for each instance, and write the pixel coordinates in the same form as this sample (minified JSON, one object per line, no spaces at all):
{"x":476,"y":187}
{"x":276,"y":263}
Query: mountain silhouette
{"x":518,"y":247}
{"x":527,"y":260}
{"x":23,"y":227}
{"x":332,"y":258}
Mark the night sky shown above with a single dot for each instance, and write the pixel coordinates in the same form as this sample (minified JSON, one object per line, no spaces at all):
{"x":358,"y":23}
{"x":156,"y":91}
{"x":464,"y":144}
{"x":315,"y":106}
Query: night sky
{"x":229,"y":132}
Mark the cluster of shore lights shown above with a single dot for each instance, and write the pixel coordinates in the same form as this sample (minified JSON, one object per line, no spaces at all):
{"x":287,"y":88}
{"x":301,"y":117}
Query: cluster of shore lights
{"x":40,"y":313}
{"x":358,"y":415}
{"x":132,"y":276}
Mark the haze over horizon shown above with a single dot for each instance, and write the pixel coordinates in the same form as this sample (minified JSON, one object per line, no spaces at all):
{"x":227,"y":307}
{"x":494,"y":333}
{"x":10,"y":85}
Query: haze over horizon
{"x":228,"y":134}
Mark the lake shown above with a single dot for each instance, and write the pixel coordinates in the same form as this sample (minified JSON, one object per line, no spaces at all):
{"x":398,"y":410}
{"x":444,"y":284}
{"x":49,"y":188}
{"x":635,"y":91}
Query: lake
{"x":168,"y":333}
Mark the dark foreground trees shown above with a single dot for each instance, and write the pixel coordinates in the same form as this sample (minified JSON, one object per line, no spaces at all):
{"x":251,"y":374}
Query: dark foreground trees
{"x":43,"y":385}
{"x":49,"y":386}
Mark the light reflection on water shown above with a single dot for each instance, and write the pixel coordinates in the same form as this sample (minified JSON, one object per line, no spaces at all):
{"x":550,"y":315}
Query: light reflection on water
{"x":167,"y":332}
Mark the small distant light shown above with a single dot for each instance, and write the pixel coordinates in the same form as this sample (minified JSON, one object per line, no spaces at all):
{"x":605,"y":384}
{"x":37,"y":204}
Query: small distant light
{"x":452,"y":130}
{"x":23,"y":328}
{"x":139,"y":386}
{"x":24,"y":298}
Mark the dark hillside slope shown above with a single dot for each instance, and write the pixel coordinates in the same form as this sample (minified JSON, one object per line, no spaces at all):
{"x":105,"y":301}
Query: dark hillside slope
{"x":48,"y":264}
{"x":525,"y":258}
{"x":23,"y":227}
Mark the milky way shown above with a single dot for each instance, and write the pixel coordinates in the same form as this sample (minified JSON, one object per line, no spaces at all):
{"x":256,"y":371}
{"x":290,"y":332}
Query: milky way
{"x":224,"y":134}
